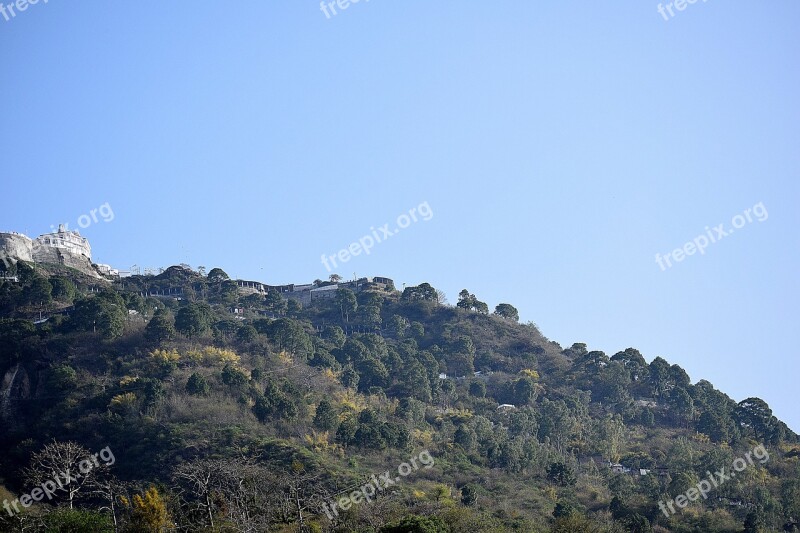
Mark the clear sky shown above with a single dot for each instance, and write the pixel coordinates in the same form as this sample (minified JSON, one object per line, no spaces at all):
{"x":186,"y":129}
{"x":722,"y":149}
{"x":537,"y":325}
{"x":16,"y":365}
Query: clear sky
{"x":559,"y":145}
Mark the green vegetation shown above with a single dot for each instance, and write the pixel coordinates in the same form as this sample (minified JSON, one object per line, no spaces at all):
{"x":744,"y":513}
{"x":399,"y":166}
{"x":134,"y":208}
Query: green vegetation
{"x":229,"y":422}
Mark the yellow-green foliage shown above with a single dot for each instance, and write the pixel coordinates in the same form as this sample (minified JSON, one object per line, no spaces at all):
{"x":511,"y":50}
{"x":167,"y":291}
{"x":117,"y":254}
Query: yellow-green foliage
{"x":122,"y":402}
{"x":351,"y":400}
{"x":320,"y":442}
{"x":5,"y":494}
{"x":148,"y":513}
{"x":166,"y":356}
{"x":211,"y":356}
{"x":206,"y":356}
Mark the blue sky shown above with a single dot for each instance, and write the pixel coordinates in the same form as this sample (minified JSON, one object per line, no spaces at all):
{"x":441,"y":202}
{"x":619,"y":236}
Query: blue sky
{"x":559,"y":147}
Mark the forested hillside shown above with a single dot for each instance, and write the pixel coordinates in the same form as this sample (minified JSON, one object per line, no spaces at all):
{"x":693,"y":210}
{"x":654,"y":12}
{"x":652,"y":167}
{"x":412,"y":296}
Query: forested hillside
{"x":219,"y":410}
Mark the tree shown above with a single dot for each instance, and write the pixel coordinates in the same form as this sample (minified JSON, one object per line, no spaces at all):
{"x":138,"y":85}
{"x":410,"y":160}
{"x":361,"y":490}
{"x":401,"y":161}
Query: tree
{"x":346,"y":302}
{"x":225,"y":329}
{"x":217,"y":275}
{"x":63,"y":289}
{"x":415,"y":381}
{"x":201,"y":479}
{"x":226,"y":292}
{"x":39,"y":292}
{"x":634,"y":362}
{"x":370,"y":316}
{"x":288,"y":334}
{"x":660,"y":379}
{"x":62,"y":378}
{"x":564,"y":510}
{"x":191,"y":320}
{"x":161,"y":327}
{"x":460,"y":364}
{"x":755,"y":414}
{"x":372,"y":372}
{"x":469,"y":495}
{"x":465,"y":437}
{"x":465,"y":300}
{"x":507,"y":311}
{"x":682,"y":405}
{"x":335,"y":335}
{"x":346,"y":431}
{"x":104,"y":312}
{"x":233,"y":378}
{"x":197,"y":385}
{"x":275,"y":303}
{"x":561,"y":474}
{"x":477,"y":389}
{"x":417,"y":524}
{"x":253,"y":301}
{"x":349,"y":377}
{"x":524,"y":391}
{"x":73,"y":465}
{"x":326,"y":417}
{"x":441,"y":297}
{"x":149,"y":513}
{"x":335,"y":278}
{"x":293,"y":308}
{"x":469,"y":302}
{"x":246,"y":333}
{"x":421,"y":293}
{"x":754,"y":521}
{"x":275,"y":402}
{"x":398,"y":326}
{"x":610,"y":435}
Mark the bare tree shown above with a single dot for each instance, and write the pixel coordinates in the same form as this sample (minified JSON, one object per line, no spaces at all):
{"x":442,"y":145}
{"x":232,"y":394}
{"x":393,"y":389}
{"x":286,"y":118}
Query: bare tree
{"x":201,"y":477}
{"x":236,"y":490}
{"x":65,"y":469}
{"x":109,"y":489}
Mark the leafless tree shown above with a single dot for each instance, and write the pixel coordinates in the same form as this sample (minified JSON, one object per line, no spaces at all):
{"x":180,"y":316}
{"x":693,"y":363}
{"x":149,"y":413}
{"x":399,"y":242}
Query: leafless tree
{"x":441,"y":297}
{"x":109,"y":489}
{"x":238,"y":490}
{"x":201,"y":476}
{"x":67,"y":469}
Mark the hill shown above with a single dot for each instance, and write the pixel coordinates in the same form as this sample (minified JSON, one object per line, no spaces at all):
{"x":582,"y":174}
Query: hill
{"x":194,"y":402}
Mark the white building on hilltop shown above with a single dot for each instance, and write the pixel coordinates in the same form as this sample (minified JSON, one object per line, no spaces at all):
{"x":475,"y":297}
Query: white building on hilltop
{"x":66,"y":241}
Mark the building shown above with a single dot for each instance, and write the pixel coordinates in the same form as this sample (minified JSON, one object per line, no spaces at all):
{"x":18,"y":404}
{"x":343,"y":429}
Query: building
{"x":67,"y":242}
{"x":305,"y":293}
{"x":61,"y":247}
{"x":108,"y":270}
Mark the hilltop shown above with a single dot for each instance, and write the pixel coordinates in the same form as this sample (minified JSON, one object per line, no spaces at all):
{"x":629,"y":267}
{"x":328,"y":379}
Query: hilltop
{"x":233,"y":405}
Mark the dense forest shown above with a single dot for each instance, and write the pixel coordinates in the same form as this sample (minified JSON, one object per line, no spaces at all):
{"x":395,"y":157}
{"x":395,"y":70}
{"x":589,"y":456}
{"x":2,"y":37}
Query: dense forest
{"x":211,"y":408}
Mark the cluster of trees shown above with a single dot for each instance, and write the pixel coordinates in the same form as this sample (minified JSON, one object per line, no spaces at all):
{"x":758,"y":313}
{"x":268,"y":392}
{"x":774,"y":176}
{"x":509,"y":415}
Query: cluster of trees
{"x":618,"y":380}
{"x":250,"y":424}
{"x":471,"y":303}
